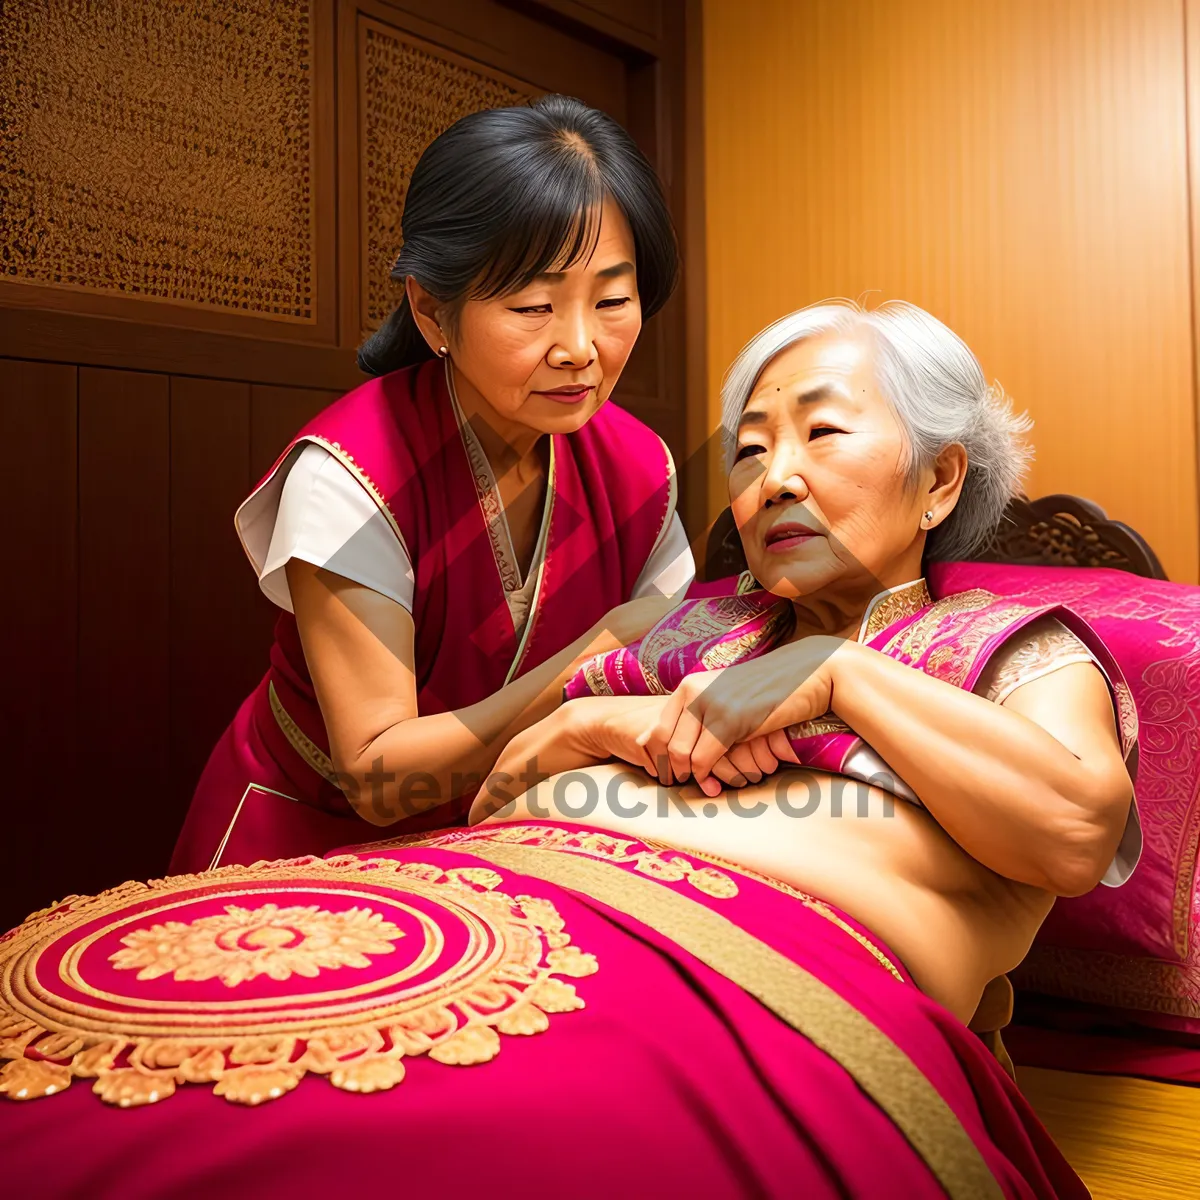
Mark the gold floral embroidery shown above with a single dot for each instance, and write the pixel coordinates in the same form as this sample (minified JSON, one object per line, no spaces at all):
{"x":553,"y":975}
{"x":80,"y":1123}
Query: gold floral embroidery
{"x":889,"y":607}
{"x":711,"y":618}
{"x":818,"y":727}
{"x":776,"y":626}
{"x":243,"y":943}
{"x":449,"y":997}
{"x":1042,"y":646}
{"x":952,"y":661}
{"x":663,"y":863}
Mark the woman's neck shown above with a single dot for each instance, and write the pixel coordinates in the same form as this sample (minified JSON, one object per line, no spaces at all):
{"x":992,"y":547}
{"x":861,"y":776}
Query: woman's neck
{"x":840,"y":613}
{"x":509,"y":445}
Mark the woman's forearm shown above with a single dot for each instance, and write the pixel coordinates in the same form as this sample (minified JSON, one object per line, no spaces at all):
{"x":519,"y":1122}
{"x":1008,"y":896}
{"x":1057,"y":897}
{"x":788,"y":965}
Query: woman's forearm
{"x":421,"y":762}
{"x":1008,"y":792}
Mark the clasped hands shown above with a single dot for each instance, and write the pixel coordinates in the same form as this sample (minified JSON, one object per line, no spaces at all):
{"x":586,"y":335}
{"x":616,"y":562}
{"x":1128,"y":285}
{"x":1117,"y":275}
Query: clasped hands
{"x":725,"y":726}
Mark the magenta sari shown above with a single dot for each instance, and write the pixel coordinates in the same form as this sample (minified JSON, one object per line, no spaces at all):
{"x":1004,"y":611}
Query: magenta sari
{"x":635,"y":1021}
{"x":268,"y":790}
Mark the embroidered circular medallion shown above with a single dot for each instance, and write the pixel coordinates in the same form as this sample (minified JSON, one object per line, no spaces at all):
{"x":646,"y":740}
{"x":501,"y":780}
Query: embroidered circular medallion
{"x":250,"y":977}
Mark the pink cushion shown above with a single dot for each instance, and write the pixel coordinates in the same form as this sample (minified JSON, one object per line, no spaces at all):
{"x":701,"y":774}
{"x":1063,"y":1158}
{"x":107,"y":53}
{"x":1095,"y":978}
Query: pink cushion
{"x":1152,"y":628}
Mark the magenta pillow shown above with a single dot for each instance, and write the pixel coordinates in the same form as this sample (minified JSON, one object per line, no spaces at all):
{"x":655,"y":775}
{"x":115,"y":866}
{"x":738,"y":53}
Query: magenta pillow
{"x":1134,"y":946}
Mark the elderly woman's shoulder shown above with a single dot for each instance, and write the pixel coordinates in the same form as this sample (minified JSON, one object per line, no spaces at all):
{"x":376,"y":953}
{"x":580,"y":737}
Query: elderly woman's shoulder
{"x":1037,"y":649}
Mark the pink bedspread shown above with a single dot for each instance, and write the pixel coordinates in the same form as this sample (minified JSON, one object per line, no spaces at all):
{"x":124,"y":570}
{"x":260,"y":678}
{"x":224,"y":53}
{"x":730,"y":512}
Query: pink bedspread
{"x":736,"y":1039}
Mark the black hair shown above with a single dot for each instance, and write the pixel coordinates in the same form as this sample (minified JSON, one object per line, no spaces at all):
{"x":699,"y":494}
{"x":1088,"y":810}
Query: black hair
{"x":508,"y":193}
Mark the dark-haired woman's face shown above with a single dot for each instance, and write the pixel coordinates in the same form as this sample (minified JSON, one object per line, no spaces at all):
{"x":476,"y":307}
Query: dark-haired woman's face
{"x":548,"y":356}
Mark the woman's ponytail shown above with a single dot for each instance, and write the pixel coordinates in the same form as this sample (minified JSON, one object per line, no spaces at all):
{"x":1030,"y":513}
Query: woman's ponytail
{"x":396,"y":343}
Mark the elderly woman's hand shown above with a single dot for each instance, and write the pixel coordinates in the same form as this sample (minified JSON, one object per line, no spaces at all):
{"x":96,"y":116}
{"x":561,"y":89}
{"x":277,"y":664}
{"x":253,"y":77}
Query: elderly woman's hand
{"x":729,"y":713}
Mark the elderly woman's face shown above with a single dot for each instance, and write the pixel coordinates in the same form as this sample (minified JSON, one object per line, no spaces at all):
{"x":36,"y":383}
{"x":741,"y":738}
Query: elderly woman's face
{"x":817,"y":487}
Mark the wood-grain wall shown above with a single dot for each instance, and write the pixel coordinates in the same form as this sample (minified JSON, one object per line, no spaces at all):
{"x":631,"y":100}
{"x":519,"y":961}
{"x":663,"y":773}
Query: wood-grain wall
{"x":132,"y":631}
{"x":1020,"y":169}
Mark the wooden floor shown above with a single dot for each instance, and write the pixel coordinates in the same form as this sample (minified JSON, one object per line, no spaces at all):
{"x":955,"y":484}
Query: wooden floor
{"x":1129,"y":1139}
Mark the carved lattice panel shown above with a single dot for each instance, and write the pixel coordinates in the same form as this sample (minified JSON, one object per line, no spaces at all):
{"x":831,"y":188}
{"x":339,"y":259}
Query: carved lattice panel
{"x":159,"y":151}
{"x":410,"y":93}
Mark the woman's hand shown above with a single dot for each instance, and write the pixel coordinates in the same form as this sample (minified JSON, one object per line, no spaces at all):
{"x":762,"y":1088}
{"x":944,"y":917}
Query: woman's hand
{"x":619,"y":727}
{"x":731,"y":712}
{"x":579,"y":734}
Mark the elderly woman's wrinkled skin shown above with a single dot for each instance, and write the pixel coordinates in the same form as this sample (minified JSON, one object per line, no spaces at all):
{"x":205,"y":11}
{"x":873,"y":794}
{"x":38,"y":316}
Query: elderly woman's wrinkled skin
{"x":1023,"y":801}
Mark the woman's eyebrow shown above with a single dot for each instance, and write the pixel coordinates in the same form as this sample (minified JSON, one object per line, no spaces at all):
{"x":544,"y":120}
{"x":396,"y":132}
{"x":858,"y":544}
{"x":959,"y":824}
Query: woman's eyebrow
{"x":821,"y":391}
{"x":624,"y":268}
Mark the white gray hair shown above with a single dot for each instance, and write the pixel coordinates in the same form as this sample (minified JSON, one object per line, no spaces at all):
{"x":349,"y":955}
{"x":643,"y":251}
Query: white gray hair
{"x":938,"y":392}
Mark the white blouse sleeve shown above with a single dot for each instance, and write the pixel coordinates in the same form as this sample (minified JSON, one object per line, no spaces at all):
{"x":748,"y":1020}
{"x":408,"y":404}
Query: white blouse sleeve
{"x":670,"y":569}
{"x":314,"y":509}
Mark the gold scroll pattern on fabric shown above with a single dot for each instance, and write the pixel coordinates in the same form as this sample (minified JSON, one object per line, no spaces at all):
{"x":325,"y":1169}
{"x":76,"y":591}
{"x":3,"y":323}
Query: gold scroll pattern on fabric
{"x":221,"y":978}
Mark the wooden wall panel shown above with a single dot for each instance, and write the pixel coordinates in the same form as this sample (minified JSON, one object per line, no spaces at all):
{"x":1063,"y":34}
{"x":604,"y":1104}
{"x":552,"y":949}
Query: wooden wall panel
{"x":218,"y":649}
{"x":277,"y":414}
{"x":38,"y":698}
{"x":1018,"y":169}
{"x":124,"y":812}
{"x":128,"y":195}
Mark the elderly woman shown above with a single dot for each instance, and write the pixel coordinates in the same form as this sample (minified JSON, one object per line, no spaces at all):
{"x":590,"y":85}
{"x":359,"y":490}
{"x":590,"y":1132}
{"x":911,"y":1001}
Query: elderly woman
{"x":859,"y":442}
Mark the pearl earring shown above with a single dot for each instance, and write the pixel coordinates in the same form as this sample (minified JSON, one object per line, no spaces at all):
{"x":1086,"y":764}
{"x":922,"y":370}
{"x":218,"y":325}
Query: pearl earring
{"x":442,"y":352}
{"x":928,"y":515}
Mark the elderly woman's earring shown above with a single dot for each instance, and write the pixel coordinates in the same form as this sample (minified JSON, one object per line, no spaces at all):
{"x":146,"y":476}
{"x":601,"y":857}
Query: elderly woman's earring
{"x":442,"y":352}
{"x":928,"y":515}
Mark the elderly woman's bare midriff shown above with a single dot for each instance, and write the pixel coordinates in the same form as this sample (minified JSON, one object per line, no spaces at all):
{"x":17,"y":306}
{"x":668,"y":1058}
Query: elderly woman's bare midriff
{"x":951,"y":921}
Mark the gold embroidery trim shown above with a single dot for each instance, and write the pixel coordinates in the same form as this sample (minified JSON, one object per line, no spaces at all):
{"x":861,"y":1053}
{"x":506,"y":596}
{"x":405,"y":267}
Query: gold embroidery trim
{"x":504,"y":981}
{"x":299,"y":740}
{"x":890,"y":607}
{"x":818,"y":906}
{"x":535,"y":601}
{"x":659,"y":860}
{"x":593,"y":673}
{"x":367,"y":483}
{"x":808,"y":1005}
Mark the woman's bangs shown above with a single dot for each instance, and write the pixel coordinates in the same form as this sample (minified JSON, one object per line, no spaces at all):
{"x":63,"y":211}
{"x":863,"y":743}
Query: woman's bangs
{"x":550,"y":229}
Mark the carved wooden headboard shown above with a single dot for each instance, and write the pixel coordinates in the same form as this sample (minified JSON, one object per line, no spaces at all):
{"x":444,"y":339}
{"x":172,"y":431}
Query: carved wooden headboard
{"x":1054,"y":531}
